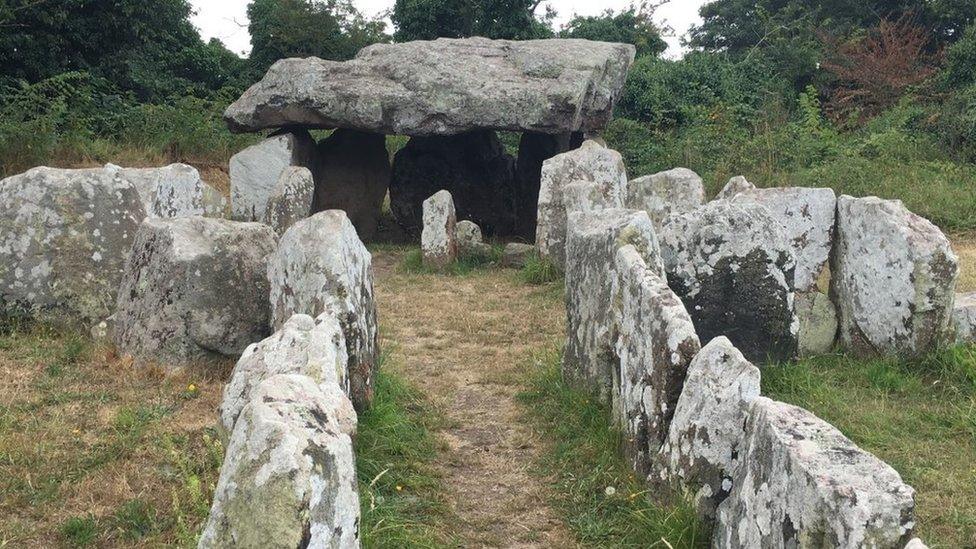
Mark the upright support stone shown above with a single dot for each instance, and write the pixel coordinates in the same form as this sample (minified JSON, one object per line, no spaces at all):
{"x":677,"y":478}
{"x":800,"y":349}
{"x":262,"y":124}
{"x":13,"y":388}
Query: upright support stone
{"x":352,"y":174}
{"x":964,"y":318}
{"x":290,"y":200}
{"x":534,"y":149}
{"x":675,"y":191}
{"x":321,"y":266}
{"x":894,"y":276}
{"x":735,"y":186}
{"x":801,"y":483}
{"x":194,"y":289}
{"x":255,"y":171}
{"x":655,"y":343}
{"x":705,"y":442}
{"x":733,"y":266}
{"x":172,"y":191}
{"x":591,"y":247}
{"x":438,"y":241}
{"x":590,"y":163}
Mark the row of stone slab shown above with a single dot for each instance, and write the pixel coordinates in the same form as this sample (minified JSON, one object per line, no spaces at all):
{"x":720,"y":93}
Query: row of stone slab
{"x":764,"y":473}
{"x":779,"y":271}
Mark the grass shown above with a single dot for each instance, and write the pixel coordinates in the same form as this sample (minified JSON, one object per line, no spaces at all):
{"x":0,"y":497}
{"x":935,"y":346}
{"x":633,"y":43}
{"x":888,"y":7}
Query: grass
{"x":400,"y":494}
{"x":539,"y":271}
{"x":95,"y":452}
{"x":413,"y":263}
{"x":917,"y":415}
{"x":601,"y":499}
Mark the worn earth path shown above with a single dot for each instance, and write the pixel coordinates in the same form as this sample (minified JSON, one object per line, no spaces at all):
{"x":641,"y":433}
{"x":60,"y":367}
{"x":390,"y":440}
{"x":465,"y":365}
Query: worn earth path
{"x":465,"y":341}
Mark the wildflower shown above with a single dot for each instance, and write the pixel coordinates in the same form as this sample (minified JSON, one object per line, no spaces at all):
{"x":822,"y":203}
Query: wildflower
{"x":76,"y":431}
{"x":191,"y":388}
{"x":610,"y":491}
{"x":399,"y":488}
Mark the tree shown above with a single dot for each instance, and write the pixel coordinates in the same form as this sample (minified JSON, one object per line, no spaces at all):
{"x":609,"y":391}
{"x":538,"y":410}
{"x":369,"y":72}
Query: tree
{"x":508,"y":19}
{"x":329,"y":29}
{"x":629,"y":26}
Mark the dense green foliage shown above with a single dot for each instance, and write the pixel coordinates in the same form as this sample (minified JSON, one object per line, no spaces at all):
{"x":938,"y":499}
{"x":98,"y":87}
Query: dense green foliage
{"x":430,"y":19}
{"x":628,"y":26}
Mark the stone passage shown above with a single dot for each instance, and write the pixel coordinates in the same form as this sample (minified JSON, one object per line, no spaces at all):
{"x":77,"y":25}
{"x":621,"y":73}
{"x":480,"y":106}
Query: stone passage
{"x":450,"y":97}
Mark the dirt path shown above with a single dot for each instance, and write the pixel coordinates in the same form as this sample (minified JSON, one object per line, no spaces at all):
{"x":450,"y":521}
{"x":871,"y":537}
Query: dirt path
{"x":463,"y":341}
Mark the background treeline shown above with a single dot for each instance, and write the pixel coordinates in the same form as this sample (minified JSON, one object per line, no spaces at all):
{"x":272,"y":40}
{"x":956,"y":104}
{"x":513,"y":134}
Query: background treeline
{"x":866,"y":96}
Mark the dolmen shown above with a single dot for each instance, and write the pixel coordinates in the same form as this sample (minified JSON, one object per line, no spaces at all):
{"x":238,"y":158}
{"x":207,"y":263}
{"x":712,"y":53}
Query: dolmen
{"x":450,"y":96}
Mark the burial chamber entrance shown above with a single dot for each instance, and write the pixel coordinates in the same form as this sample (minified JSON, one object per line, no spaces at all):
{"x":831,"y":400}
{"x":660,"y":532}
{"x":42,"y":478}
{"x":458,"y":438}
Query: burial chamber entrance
{"x":480,"y":117}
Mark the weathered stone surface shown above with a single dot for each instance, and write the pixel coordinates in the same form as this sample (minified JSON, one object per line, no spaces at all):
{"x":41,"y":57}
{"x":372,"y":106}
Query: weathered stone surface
{"x":916,"y":543}
{"x":801,"y":483}
{"x":675,"y":191}
{"x":315,"y":348}
{"x":893,"y":278}
{"x":732,"y":265}
{"x":818,"y":323}
{"x":705,"y":442}
{"x":289,"y":476}
{"x":589,"y":163}
{"x":352,"y":174}
{"x":290,"y":200}
{"x":64,"y":238}
{"x":517,"y":254}
{"x":583,"y":197}
{"x":469,"y":239}
{"x":438,"y":242}
{"x":473,"y":167}
{"x":964,"y":318}
{"x":735,"y":186}
{"x":656,"y":342}
{"x":322,"y":266}
{"x":255,"y":171}
{"x":194,"y":288}
{"x":534,"y":149}
{"x":591,"y":249}
{"x":172,"y":191}
{"x":444,"y":87}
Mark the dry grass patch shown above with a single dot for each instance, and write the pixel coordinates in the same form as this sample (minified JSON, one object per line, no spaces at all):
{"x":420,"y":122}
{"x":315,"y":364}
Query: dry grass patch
{"x":96,"y":452}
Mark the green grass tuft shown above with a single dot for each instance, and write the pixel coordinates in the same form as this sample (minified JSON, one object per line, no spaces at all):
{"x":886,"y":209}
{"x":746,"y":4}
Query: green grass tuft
{"x":79,"y":531}
{"x":413,"y":262}
{"x":538,"y":271}
{"x":135,"y":519}
{"x":584,"y":462}
{"x":399,"y":492}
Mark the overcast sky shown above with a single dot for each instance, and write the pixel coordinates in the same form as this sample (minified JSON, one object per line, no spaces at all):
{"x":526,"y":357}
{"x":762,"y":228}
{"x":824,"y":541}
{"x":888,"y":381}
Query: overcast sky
{"x":227,"y":19}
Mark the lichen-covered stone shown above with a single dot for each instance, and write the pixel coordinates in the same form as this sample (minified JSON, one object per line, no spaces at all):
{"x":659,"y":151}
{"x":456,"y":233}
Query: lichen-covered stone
{"x":469,"y":237}
{"x":801,"y":483}
{"x":291,"y":199}
{"x":64,"y":238}
{"x":289,"y":475}
{"x":705,"y":442}
{"x":735,"y":186}
{"x":893,"y":278}
{"x":315,"y":348}
{"x":321,"y":266}
{"x":534,"y":149}
{"x":964,"y":318}
{"x":172,"y":191}
{"x":516,"y":254}
{"x":818,"y":323}
{"x":732,"y":265}
{"x":443,"y":87}
{"x":438,"y":241}
{"x":590,"y":163}
{"x":194,"y":289}
{"x":584,"y":196}
{"x":591,"y":249}
{"x":255,"y":171}
{"x":655,"y":342}
{"x":674,"y":191}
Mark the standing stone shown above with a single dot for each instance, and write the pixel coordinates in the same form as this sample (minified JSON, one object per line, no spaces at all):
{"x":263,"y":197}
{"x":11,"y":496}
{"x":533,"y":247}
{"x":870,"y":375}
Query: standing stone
{"x":321,"y":266}
{"x":591,"y":249}
{"x":964,"y":318}
{"x":706,"y":440}
{"x":469,"y":239}
{"x":732,"y":265}
{"x":64,"y":238}
{"x":517,"y":254}
{"x":807,"y":217}
{"x":473,"y":167}
{"x":589,"y":163}
{"x":583,"y":197}
{"x":894,"y":276}
{"x":656,"y":342}
{"x":735,"y":186}
{"x":352,"y":174}
{"x":289,"y":476}
{"x":290,"y":200}
{"x":172,"y":191}
{"x":439,"y":238}
{"x":312,"y":348}
{"x":255,"y":171}
{"x":194,"y":289}
{"x":534,"y":149}
{"x":675,"y":191}
{"x":801,"y":483}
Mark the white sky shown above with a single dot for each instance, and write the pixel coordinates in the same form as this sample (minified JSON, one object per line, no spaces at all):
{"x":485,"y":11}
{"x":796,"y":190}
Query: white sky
{"x":227,"y":19}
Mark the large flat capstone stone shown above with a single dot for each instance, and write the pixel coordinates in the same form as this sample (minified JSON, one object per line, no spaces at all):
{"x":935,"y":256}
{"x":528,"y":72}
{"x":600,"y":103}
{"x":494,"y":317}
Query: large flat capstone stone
{"x":443,"y":87}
